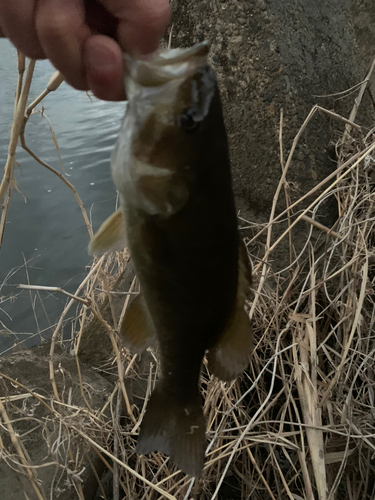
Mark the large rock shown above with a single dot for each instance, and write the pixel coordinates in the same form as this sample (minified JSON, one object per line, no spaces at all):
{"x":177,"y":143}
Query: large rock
{"x":271,"y":55}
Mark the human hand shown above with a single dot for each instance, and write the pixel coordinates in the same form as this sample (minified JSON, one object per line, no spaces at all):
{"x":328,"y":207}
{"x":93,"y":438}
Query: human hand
{"x":84,"y":39}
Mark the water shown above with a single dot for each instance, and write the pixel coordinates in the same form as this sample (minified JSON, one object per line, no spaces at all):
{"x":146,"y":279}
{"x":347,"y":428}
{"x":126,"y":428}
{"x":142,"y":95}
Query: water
{"x":45,"y":227}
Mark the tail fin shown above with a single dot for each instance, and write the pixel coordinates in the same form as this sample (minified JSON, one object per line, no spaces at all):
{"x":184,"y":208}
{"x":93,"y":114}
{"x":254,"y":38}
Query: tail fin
{"x":174,"y":427}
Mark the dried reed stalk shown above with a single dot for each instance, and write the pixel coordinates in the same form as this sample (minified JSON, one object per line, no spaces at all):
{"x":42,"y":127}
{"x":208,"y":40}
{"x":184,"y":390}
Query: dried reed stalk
{"x":54,"y":83}
{"x":7,"y":183}
{"x":30,"y":473}
{"x":300,"y":423}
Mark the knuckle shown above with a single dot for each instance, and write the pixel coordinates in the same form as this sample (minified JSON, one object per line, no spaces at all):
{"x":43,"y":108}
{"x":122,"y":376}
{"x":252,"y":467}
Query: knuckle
{"x":152,"y":14}
{"x":61,"y":37}
{"x":54,"y":29}
{"x":158,"y":16}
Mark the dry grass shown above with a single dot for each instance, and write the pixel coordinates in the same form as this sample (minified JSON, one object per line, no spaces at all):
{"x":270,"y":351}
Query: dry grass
{"x":300,"y":423}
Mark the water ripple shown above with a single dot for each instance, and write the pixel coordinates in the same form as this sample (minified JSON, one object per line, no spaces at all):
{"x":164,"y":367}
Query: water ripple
{"x":45,"y":225}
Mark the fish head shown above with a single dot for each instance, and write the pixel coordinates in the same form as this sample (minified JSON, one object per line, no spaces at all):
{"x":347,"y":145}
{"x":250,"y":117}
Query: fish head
{"x":169,"y":98}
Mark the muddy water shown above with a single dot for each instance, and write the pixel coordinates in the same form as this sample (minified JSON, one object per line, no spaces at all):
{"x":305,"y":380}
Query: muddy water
{"x":46,"y":239}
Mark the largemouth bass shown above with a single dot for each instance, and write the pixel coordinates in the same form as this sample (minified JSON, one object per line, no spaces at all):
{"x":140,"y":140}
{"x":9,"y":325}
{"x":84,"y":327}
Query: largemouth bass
{"x":172,"y":171}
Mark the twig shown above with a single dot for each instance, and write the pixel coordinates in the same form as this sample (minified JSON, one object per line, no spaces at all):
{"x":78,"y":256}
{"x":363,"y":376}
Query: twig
{"x":326,"y":191}
{"x":61,"y":319}
{"x":124,"y":465}
{"x":6,"y":185}
{"x":87,"y":303}
{"x":351,"y":160}
{"x":116,"y":485}
{"x":286,"y":186}
{"x":358,"y":310}
{"x":65,"y":181}
{"x":30,"y":473}
{"x":326,"y":230}
{"x":54,"y":83}
{"x":357,"y":103}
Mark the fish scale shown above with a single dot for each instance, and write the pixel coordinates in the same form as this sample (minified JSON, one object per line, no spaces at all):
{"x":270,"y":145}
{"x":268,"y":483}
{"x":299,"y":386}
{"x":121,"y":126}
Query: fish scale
{"x":171,"y":168}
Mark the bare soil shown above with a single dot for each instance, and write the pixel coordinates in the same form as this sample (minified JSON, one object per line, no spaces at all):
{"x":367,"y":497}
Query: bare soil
{"x":269,"y":55}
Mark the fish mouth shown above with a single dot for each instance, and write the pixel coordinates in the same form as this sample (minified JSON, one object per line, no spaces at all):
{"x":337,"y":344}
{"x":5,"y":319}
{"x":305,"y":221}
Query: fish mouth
{"x":166,"y":65}
{"x":175,"y":56}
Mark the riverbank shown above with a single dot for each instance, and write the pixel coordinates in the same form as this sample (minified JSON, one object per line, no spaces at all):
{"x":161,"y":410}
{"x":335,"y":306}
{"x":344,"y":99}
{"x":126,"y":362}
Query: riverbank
{"x":280,"y":424}
{"x":300,"y":422}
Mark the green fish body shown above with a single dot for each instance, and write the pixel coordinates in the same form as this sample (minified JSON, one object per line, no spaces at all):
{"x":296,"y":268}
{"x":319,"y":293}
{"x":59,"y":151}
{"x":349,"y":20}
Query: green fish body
{"x":171,"y":168}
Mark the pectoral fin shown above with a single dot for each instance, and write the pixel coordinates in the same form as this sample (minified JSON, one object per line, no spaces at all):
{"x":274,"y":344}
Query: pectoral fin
{"x":137,"y":330}
{"x":229,"y":357}
{"x":111,"y":235}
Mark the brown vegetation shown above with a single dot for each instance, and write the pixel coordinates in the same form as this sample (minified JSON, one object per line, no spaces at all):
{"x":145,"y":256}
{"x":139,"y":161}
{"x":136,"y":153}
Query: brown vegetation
{"x":300,"y":423}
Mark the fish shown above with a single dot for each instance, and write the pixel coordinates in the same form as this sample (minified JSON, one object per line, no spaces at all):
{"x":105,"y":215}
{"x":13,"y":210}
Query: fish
{"x":177,"y":215}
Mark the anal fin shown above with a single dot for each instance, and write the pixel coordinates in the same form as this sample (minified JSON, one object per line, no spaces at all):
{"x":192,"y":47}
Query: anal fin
{"x":230,"y":355}
{"x":137,"y":330}
{"x":111,"y":235}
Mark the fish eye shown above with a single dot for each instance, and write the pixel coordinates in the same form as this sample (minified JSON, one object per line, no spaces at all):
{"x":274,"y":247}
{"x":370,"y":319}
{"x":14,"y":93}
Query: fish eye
{"x":187,"y":121}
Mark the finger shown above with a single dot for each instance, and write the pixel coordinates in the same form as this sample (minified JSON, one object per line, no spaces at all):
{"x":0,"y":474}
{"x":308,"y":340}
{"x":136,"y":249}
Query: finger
{"x":99,"y":19}
{"x":62,"y":33}
{"x":104,"y":68}
{"x":141,"y":23}
{"x":17,"y":24}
